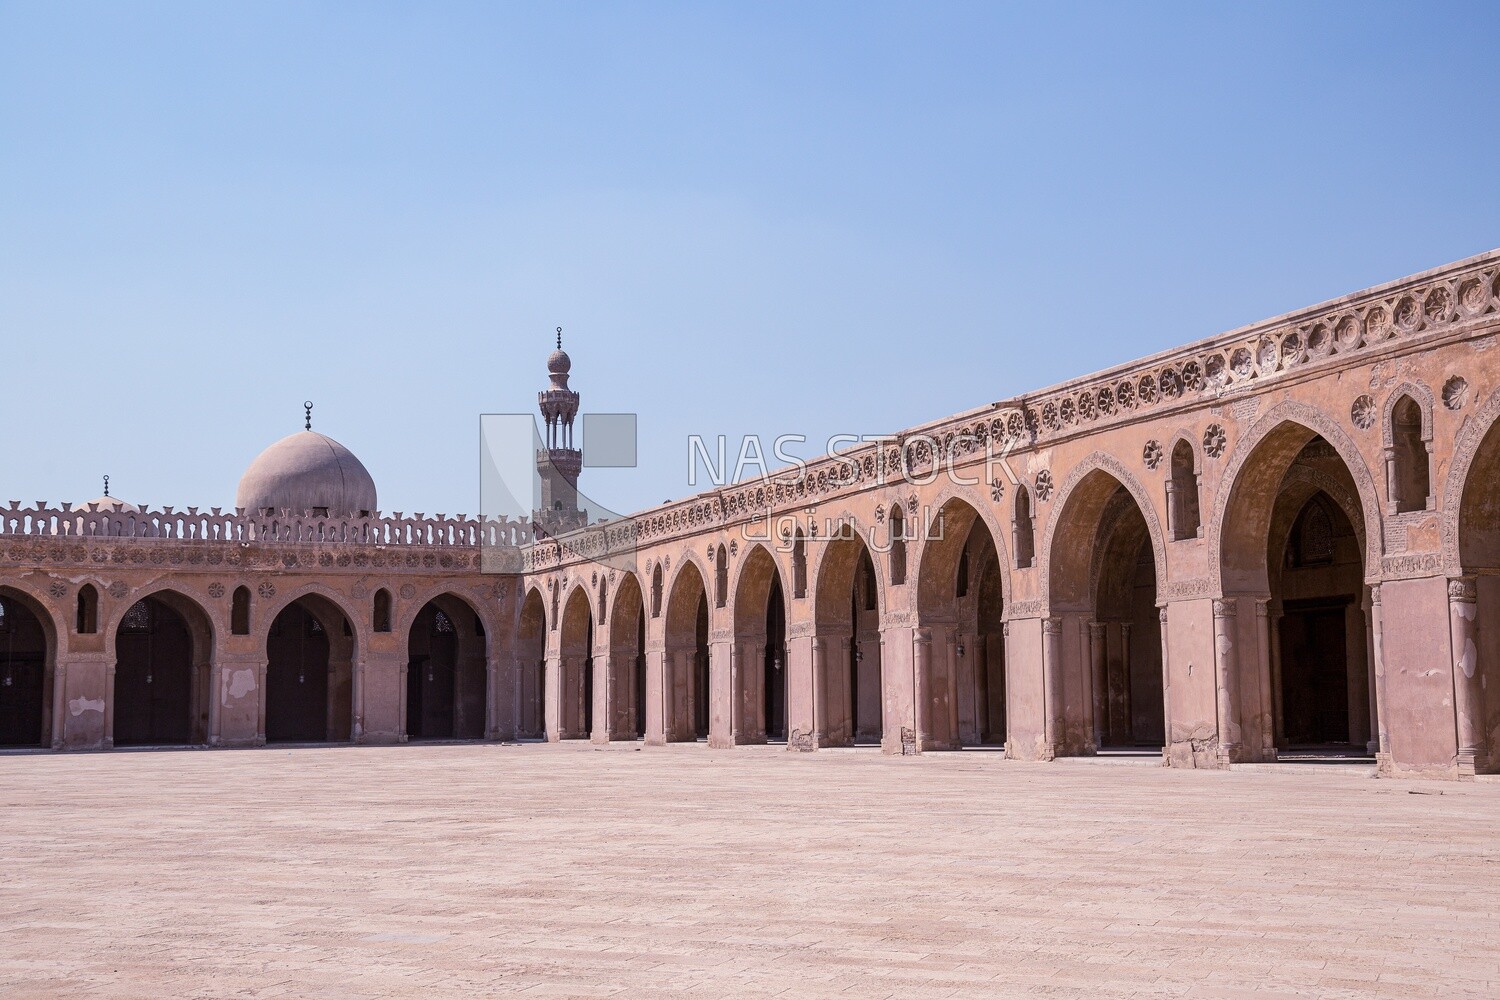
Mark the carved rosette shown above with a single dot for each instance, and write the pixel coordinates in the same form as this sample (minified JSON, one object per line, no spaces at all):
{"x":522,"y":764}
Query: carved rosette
{"x":1152,"y":454}
{"x":1214,"y":440}
{"x":1044,"y":485}
{"x":1362,"y":413}
{"x":216,"y":590}
{"x":1455,"y":392}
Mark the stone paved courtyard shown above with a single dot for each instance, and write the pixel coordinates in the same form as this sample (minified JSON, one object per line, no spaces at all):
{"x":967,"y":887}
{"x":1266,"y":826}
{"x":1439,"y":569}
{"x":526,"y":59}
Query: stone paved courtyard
{"x":466,"y":871}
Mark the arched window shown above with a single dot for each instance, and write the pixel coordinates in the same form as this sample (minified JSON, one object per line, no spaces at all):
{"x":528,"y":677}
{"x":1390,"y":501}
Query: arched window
{"x":88,"y":610}
{"x":603,"y":598}
{"x":799,"y":566}
{"x":382,"y":616}
{"x":656,"y":591}
{"x":1312,"y":536}
{"x":721,"y":577}
{"x":1182,"y":494}
{"x":867,"y":571}
{"x":898,"y":546}
{"x":239,"y":611}
{"x":1022,"y":529}
{"x":1408,"y":463}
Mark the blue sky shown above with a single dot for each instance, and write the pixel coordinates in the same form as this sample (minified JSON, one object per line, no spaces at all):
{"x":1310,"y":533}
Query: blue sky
{"x":760,"y":218}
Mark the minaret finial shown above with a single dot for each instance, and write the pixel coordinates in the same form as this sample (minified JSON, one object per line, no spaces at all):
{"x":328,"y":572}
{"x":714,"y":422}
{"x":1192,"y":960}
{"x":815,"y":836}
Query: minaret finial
{"x":106,"y":486}
{"x":307,"y":408}
{"x":559,"y":338}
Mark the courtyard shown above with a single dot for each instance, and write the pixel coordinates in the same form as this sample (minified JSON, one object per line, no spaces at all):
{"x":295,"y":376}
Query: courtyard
{"x":575,"y":870}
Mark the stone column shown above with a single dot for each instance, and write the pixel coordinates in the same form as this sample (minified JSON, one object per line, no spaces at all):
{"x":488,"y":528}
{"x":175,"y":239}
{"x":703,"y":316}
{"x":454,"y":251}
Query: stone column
{"x":1263,"y":661}
{"x":1052,"y":677}
{"x":109,"y":705}
{"x":1463,"y":595}
{"x":1372,"y":747}
{"x":1127,"y":707}
{"x":819,"y":691}
{"x":950,"y":692}
{"x":604,"y":695}
{"x":656,"y":695}
{"x":1166,"y":690}
{"x":403,"y":724}
{"x":262,"y":669}
{"x":1377,"y":657}
{"x":1357,"y":674}
{"x":552,"y":709}
{"x":1278,"y":712}
{"x":921,"y":691}
{"x":1226,"y":679}
{"x":59,"y":704}
{"x":357,"y":697}
{"x":1099,"y":670}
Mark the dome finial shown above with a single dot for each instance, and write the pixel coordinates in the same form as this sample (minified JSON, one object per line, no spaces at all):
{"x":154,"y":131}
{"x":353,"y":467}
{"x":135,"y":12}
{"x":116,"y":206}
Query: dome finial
{"x":106,"y":486}
{"x":559,"y":338}
{"x":307,"y":414}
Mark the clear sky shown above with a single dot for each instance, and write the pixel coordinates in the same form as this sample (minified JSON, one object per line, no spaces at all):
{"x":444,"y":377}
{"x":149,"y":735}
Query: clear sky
{"x":807,"y":218}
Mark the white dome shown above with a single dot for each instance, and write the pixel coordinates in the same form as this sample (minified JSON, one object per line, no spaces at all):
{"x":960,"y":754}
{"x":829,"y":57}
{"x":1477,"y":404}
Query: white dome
{"x":108,"y":502}
{"x":307,"y":471}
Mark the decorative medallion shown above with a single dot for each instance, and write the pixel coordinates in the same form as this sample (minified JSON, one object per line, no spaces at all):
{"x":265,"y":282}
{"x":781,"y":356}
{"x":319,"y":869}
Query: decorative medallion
{"x":1214,"y":440}
{"x":408,"y":591}
{"x":268,"y":589}
{"x":216,"y":590}
{"x":1472,"y":298}
{"x":734,"y":550}
{"x":879,"y":516}
{"x":1363,"y":413}
{"x":1044,"y":485}
{"x":997,"y":489}
{"x":1455,"y":392}
{"x":57,"y":590}
{"x":118,"y":590}
{"x":1151,"y":455}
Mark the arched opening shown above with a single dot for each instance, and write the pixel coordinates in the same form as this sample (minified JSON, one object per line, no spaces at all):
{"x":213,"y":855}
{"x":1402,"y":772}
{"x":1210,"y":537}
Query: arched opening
{"x":239,"y":611}
{"x":656,"y":591}
{"x":1292,"y":564}
{"x":1182,"y":494}
{"x":27,"y":652}
{"x":627,"y":661}
{"x":685,"y":680}
{"x":1408,"y":459}
{"x":445,"y":672}
{"x":960,"y":598}
{"x":721,"y":577}
{"x":309,"y":673}
{"x":531,"y":660}
{"x":575,"y":681}
{"x":380,"y":611}
{"x":163,"y":648}
{"x":897,"y":554}
{"x":1479,"y":559}
{"x":88,"y":610}
{"x":1023,"y":529}
{"x":760,"y":637}
{"x":1320,"y":698}
{"x":1103,"y":592}
{"x":848,"y":705}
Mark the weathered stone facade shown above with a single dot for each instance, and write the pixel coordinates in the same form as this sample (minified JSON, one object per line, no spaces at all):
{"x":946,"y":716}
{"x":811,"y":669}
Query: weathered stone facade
{"x":1286,"y":536}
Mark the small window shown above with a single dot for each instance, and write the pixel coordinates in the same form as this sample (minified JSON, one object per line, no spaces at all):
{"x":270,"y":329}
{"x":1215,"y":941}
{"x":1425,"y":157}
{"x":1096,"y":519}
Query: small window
{"x":1022,"y":529}
{"x":799,"y":566}
{"x":721,"y":577}
{"x":239,"y":611}
{"x":1182,"y":494}
{"x":441,"y":624}
{"x":867,"y":571}
{"x":1410,"y":463}
{"x":382,"y":620}
{"x":961,"y":588}
{"x":656,"y":591}
{"x":603,"y":598}
{"x":88,"y":610}
{"x":5,"y":625}
{"x":898,"y":546}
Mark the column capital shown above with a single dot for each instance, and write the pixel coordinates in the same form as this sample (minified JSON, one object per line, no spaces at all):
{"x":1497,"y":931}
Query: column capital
{"x":1463,"y":590}
{"x":1096,"y":630}
{"x":1051,"y":626}
{"x":1262,"y":607}
{"x":1226,"y":609}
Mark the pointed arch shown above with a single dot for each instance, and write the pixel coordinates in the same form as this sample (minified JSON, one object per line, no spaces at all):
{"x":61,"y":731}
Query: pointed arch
{"x":531,"y":653}
{"x":626,"y":710}
{"x":29,"y":637}
{"x":447,"y":673}
{"x":1075,"y":512}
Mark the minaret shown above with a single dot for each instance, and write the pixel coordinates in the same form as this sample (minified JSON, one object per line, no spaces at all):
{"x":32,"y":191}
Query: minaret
{"x":559,"y":463}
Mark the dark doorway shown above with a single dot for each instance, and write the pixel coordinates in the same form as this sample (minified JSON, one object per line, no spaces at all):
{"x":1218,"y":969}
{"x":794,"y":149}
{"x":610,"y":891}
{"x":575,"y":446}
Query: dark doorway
{"x":640,"y":675}
{"x":1315,"y":673}
{"x":431,"y":676}
{"x":775,"y":664}
{"x":700,"y":671}
{"x":153,"y":677}
{"x":297,"y":678}
{"x":23,"y":674}
{"x":588,"y":681}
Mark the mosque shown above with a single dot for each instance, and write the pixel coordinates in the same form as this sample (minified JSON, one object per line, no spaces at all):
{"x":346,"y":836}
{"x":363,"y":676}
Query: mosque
{"x":1276,"y":543}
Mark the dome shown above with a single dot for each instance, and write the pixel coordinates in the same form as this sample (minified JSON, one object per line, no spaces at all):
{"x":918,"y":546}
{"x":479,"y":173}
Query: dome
{"x":108,"y":502}
{"x":307,"y":471}
{"x":558,"y":362}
